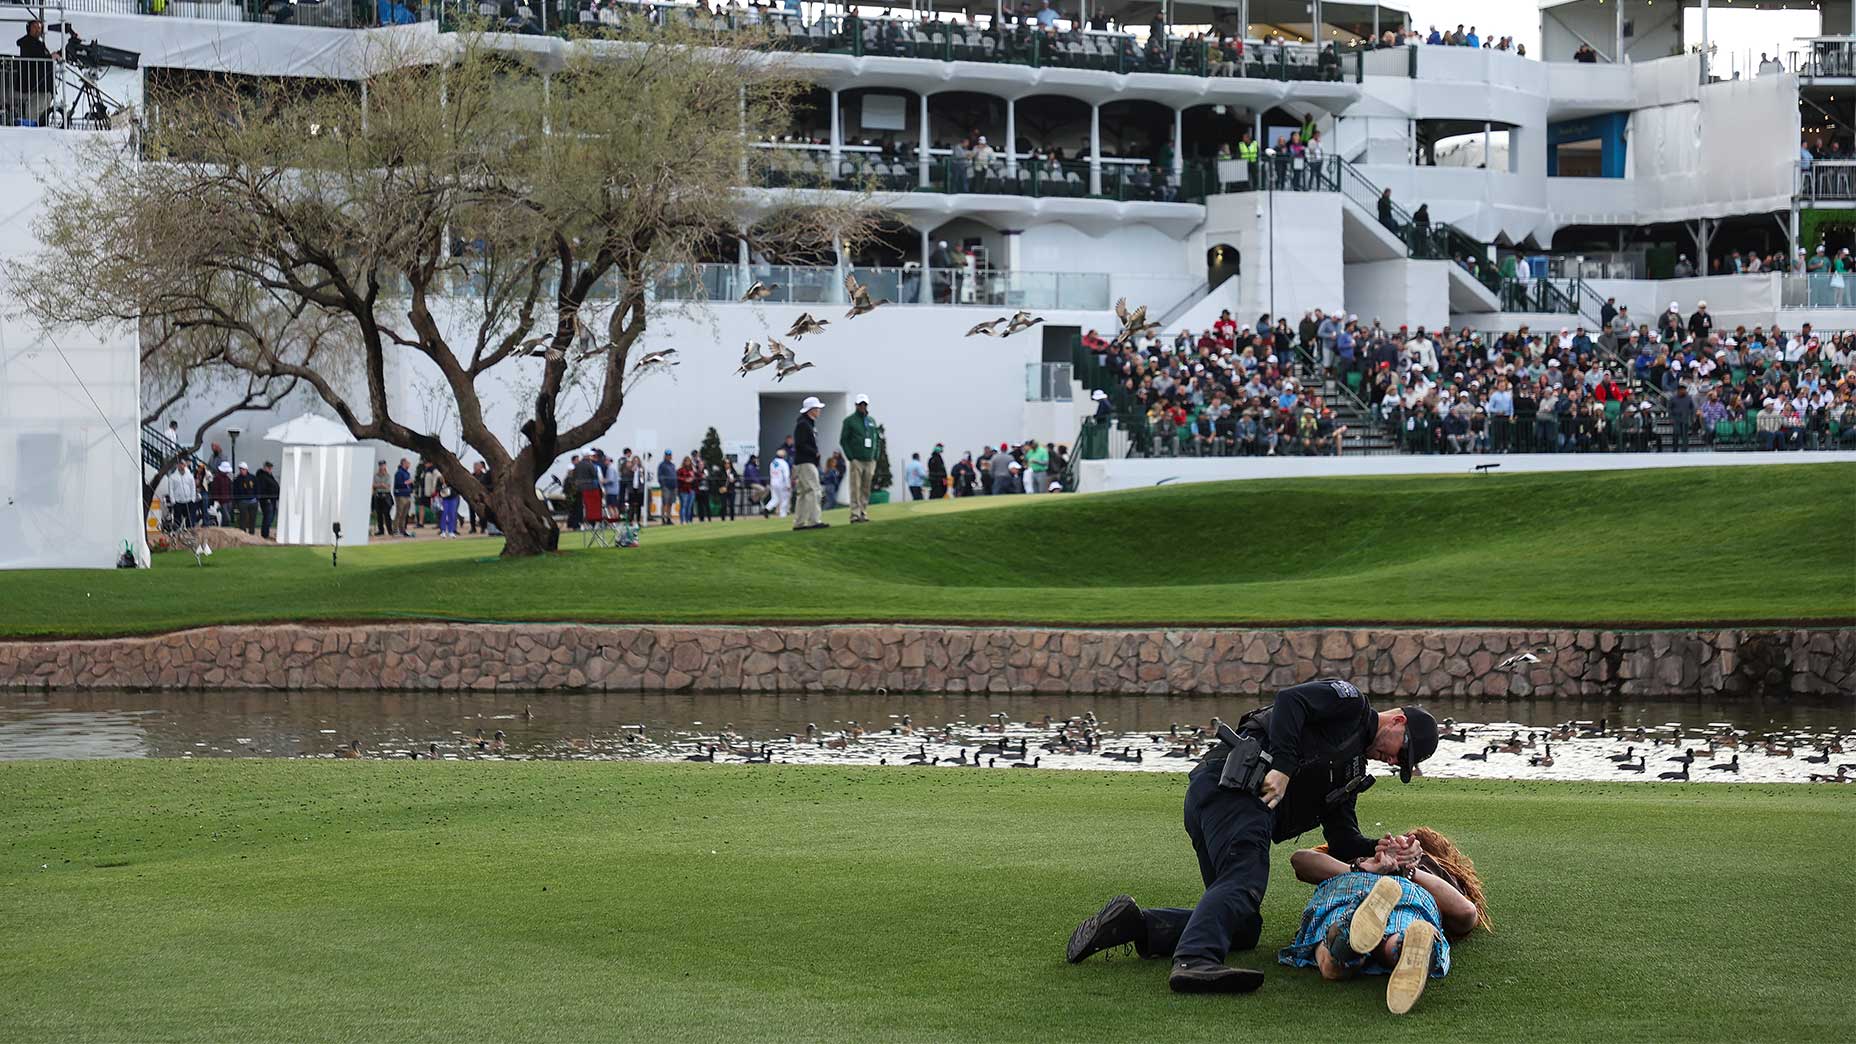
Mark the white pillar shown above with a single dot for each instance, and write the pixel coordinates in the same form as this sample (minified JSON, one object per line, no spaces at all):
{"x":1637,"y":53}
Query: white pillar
{"x":837,"y":135}
{"x":546,"y":94}
{"x":1618,"y":54}
{"x":1011,"y":137}
{"x":927,"y":290}
{"x":924,"y":159}
{"x":363,"y":104}
{"x":1314,"y":18}
{"x":1095,"y":148}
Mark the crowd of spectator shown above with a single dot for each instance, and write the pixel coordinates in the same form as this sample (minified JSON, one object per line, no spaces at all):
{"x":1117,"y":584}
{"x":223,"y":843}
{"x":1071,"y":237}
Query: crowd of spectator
{"x":1039,"y":33}
{"x":212,"y":492}
{"x":1229,"y":390}
{"x":1616,"y":389}
{"x":1674,"y":384}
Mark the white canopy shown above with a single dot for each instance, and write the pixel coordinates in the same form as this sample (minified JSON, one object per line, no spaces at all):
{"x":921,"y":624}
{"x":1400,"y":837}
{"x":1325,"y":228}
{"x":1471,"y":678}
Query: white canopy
{"x":327,"y":478}
{"x":311,"y":430}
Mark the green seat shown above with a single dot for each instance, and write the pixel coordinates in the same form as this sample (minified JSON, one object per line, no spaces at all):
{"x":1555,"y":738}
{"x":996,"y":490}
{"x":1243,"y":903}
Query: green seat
{"x":1354,"y":377}
{"x":1612,"y":408}
{"x":1739,"y":374}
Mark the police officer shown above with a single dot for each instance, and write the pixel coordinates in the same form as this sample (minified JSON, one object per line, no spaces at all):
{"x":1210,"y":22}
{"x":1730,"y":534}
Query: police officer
{"x":1285,"y":768}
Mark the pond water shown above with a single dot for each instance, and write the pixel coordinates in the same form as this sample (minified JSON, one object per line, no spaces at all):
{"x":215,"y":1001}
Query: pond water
{"x":1774,"y":741}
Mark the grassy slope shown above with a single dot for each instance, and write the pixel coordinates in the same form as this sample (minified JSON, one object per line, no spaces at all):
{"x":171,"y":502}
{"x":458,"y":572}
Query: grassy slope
{"x":411,"y":901}
{"x":1730,"y":544}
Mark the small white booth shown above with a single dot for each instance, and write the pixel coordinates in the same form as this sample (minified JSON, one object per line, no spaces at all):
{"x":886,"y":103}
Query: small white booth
{"x":327,"y":478}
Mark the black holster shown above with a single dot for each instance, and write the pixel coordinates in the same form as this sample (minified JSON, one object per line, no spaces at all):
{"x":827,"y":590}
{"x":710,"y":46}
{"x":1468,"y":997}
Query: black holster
{"x":1245,"y":763}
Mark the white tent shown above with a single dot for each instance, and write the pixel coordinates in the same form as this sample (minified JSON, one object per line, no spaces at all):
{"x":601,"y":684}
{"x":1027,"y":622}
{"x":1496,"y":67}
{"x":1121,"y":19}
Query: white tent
{"x":327,"y":478}
{"x":70,"y":407}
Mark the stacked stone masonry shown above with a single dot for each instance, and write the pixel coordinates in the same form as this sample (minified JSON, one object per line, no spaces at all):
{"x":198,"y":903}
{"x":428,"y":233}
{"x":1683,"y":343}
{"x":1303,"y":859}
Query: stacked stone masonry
{"x":863,"y":658}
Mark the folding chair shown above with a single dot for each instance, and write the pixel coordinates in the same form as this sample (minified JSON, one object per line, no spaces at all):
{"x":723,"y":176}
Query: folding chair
{"x":599,"y":518}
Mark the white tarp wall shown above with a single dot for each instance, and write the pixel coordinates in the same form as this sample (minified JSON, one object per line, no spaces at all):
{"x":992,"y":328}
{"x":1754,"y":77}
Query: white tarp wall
{"x":70,"y":407}
{"x":1735,"y":151}
{"x":326,"y":478}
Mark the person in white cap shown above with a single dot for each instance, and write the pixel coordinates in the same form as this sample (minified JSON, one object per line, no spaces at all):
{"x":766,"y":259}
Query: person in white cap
{"x":1103,"y":409}
{"x":859,"y":440}
{"x":806,"y":487}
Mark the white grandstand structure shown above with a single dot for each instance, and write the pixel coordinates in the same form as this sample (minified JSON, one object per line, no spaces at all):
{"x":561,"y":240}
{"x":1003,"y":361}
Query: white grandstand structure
{"x":1105,"y":177}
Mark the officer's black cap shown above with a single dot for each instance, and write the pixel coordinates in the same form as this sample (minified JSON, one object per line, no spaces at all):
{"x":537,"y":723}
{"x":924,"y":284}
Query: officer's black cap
{"x":1420,"y":741}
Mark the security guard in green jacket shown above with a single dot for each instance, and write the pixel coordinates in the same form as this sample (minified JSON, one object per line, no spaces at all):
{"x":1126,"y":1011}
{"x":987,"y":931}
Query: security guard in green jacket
{"x":1247,"y":152}
{"x":858,"y":440}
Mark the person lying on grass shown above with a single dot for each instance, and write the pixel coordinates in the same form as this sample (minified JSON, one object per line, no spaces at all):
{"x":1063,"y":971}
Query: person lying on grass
{"x":1396,"y":911}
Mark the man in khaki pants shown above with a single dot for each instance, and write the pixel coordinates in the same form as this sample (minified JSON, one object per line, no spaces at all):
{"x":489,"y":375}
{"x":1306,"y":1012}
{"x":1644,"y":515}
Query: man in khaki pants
{"x":806,"y":489}
{"x":858,"y":440}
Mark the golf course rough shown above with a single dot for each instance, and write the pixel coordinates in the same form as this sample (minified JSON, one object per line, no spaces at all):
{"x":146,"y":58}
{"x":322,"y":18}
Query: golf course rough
{"x":342,"y":900}
{"x":1701,"y":548}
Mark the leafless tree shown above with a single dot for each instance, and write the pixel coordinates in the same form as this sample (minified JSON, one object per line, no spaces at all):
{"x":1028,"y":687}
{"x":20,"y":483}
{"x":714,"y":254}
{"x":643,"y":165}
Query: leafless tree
{"x":311,"y":232}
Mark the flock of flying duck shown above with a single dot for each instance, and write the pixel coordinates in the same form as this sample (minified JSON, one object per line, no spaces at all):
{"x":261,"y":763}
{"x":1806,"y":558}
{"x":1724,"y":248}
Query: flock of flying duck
{"x":774,"y":353}
{"x":778,"y":354}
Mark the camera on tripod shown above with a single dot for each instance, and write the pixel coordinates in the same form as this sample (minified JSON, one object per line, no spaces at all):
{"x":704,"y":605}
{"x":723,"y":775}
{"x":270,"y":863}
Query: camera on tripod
{"x":90,"y":54}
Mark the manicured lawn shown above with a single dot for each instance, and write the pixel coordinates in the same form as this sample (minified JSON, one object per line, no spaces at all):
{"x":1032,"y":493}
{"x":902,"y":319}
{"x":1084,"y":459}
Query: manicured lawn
{"x":406,"y":901}
{"x":1769,"y":544}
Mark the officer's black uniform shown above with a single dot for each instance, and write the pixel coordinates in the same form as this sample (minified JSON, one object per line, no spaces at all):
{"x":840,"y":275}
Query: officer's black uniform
{"x":1316,"y":733}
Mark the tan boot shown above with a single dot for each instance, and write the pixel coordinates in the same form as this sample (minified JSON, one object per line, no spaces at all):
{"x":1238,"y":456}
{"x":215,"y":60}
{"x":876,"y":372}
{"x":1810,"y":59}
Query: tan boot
{"x":1369,"y":921}
{"x":1406,"y":983}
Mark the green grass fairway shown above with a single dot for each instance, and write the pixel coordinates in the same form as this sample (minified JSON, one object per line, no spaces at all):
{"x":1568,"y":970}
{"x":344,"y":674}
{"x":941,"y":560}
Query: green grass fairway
{"x":1739,"y":544}
{"x":407,"y":901}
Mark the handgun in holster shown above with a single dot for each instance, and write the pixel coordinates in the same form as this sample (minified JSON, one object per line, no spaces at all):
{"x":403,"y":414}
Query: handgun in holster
{"x":1247,"y":762}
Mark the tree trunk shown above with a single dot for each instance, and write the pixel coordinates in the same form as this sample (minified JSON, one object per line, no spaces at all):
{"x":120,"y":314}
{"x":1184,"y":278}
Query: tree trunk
{"x":527,"y":524}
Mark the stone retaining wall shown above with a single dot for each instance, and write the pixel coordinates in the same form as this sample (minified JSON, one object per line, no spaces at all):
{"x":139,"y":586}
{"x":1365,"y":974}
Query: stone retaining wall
{"x":863,"y":658}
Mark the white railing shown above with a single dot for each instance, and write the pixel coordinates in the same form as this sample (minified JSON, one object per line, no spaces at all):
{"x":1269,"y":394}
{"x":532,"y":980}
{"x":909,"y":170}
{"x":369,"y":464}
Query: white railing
{"x":30,"y":90}
{"x":1818,"y":290}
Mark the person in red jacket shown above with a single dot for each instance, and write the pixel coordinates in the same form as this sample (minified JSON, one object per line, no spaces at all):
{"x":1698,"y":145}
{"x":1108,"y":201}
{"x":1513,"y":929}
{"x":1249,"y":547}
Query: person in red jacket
{"x":686,"y":490}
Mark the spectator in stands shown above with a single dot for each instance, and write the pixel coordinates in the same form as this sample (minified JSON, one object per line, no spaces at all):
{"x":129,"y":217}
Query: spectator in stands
{"x":1585,"y":54}
{"x":937,"y":473}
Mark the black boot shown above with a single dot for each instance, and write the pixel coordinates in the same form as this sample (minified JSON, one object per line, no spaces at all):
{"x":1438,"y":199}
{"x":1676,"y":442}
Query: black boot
{"x":1116,"y":924}
{"x":1198,"y":975}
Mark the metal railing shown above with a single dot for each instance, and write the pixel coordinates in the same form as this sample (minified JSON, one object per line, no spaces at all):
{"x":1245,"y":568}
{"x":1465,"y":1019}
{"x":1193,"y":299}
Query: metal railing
{"x":807,"y":284}
{"x":322,"y":14}
{"x":1828,"y":179}
{"x":1425,"y":241}
{"x":1818,"y":290}
{"x":858,"y":36}
{"x":1281,"y":172}
{"x":1031,"y":176}
{"x":1829,"y":56}
{"x":32,"y":91}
